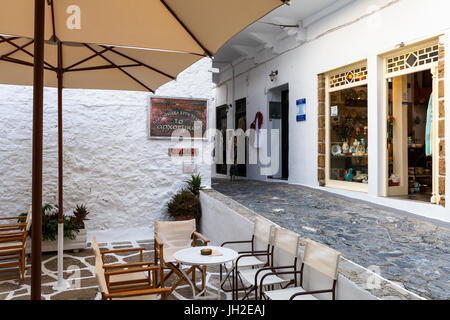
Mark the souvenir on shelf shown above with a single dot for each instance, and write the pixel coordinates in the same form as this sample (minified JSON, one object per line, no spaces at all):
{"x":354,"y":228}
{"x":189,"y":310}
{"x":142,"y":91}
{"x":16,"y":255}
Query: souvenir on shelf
{"x":336,"y":150}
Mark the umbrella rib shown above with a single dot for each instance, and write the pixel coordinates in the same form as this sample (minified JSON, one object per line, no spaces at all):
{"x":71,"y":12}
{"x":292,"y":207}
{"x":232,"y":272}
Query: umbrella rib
{"x":25,"y":63}
{"x":207,"y":52}
{"x":25,"y":51}
{"x":141,"y":63}
{"x":121,"y":69}
{"x":4,"y":40}
{"x":15,"y":50}
{"x":87,"y":59}
{"x":104,"y":67}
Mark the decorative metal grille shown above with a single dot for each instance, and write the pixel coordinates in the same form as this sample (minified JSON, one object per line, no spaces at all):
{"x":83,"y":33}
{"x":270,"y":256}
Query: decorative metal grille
{"x":414,"y":58}
{"x":348,"y":77}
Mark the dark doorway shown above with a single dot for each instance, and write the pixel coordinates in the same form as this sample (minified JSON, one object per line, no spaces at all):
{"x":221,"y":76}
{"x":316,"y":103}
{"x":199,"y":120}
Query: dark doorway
{"x":241,"y":123}
{"x":285,"y":134}
{"x":221,"y":125}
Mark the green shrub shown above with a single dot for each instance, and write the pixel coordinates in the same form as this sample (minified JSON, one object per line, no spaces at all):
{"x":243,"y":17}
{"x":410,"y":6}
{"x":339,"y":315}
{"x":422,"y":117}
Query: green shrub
{"x":72,"y":224}
{"x":184,"y":204}
{"x":194,"y":184}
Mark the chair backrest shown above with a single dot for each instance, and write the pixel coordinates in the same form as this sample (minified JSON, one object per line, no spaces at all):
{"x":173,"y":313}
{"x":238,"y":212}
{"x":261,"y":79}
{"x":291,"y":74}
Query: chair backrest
{"x":29,"y":219}
{"x":96,"y":249}
{"x":175,"y":234}
{"x":263,"y":230}
{"x":100,"y":275}
{"x":286,"y":241}
{"x":322,"y":258}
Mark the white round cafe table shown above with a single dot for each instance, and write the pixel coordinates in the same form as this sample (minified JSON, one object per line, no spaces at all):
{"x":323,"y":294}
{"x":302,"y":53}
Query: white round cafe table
{"x":193,"y":257}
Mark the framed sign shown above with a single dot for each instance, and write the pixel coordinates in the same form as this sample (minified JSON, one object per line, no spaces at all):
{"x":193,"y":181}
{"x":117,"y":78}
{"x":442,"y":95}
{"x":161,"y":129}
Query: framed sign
{"x":170,"y":114}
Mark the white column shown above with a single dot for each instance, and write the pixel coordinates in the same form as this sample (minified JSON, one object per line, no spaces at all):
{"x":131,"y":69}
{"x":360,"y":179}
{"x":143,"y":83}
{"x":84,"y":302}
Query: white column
{"x":446,"y":41}
{"x":377,"y":126}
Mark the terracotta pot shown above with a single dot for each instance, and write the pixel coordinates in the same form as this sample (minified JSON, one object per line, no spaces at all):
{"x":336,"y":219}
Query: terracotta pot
{"x":184,"y":218}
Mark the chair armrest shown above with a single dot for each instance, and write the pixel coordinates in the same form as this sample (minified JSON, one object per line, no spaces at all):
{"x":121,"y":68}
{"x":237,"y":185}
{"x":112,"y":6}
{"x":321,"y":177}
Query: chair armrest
{"x":10,"y":225}
{"x":197,"y":235}
{"x":126,"y":271}
{"x":276,"y":274}
{"x":136,"y":293}
{"x":310,"y":292}
{"x":127,"y":265}
{"x":253,"y":252}
{"x":13,"y":218}
{"x":122,"y":250}
{"x":11,"y":236}
{"x":235,"y":242}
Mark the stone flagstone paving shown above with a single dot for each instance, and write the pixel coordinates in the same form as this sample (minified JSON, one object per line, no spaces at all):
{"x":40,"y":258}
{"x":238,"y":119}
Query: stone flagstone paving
{"x":408,"y":250}
{"x":79,"y":271}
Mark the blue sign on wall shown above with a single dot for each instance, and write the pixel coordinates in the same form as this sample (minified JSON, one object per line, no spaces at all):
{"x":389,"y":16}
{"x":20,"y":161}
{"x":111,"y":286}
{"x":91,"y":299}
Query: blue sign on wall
{"x":301,"y":105}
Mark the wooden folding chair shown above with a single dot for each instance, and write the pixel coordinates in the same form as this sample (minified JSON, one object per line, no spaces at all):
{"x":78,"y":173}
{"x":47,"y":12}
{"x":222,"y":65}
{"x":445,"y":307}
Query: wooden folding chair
{"x":129,"y":281}
{"x":13,"y":240}
{"x":172,"y":236}
{"x":258,"y":255}
{"x":318,"y":257}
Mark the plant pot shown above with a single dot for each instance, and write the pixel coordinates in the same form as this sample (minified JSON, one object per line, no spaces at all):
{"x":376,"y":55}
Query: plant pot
{"x":80,"y":242}
{"x":184,"y":218}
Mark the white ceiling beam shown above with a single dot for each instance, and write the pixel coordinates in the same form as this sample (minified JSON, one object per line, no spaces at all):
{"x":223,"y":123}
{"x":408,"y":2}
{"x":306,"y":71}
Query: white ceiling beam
{"x":266,"y":39}
{"x":339,"y":4}
{"x":247,"y":51}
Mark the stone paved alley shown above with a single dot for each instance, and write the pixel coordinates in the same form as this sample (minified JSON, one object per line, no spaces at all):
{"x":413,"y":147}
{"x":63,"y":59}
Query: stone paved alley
{"x":407,"y":249}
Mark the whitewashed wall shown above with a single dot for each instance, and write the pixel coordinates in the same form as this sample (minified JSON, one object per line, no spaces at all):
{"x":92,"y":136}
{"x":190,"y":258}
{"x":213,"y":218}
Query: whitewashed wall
{"x":347,"y":36}
{"x":109,"y":162}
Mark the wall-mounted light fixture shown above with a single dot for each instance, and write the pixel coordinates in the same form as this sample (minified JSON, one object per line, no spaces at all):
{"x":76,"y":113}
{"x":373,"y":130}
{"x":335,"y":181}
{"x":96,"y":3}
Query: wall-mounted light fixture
{"x":273,"y":75}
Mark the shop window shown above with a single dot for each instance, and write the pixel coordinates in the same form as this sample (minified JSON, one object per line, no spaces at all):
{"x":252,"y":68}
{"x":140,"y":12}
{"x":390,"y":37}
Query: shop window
{"x":348,"y":129}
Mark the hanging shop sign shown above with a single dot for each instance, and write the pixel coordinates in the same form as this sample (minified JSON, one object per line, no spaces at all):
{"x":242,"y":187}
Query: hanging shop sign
{"x":301,"y":110}
{"x":169,"y":116}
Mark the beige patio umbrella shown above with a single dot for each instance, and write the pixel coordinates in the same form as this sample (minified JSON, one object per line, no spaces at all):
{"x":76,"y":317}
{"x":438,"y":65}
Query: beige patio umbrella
{"x":184,"y":30}
{"x":196,"y":26}
{"x":87,"y":66}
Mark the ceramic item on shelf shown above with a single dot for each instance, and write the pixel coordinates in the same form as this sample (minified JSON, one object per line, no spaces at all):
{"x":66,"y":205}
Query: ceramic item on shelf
{"x":336,"y":150}
{"x":345,"y":147}
{"x":349,"y":175}
{"x":395,"y":178}
{"x":361,"y":150}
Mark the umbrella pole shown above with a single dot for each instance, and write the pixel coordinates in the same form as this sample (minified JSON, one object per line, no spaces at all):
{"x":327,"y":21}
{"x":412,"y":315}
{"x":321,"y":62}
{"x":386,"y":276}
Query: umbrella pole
{"x":61,"y":284}
{"x":38,"y":108}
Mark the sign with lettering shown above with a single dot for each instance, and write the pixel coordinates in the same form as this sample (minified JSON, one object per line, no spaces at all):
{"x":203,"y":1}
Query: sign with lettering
{"x":184,"y":117}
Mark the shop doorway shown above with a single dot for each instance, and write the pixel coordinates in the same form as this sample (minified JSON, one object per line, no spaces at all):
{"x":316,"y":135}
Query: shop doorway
{"x":410,"y":138}
{"x":279,"y":120}
{"x":240,"y":122}
{"x":221,"y":125}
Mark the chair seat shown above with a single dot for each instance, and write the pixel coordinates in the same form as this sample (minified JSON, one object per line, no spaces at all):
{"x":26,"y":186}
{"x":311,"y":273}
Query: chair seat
{"x":247,"y":262}
{"x":249,"y":277}
{"x":129,"y":277}
{"x":286,"y":294}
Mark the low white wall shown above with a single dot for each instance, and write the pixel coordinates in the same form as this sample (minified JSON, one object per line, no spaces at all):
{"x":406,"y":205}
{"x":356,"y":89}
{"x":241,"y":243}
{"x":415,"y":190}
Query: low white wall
{"x":223,"y":220}
{"x":109,"y":162}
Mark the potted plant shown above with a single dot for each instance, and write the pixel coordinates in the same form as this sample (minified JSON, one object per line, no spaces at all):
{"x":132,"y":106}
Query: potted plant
{"x":74,"y":228}
{"x":185,"y":205}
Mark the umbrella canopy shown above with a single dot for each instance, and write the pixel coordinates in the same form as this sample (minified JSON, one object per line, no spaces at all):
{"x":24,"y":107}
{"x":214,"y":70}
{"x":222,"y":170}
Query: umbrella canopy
{"x":196,"y":26}
{"x":93,"y":44}
{"x":87,"y":66}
